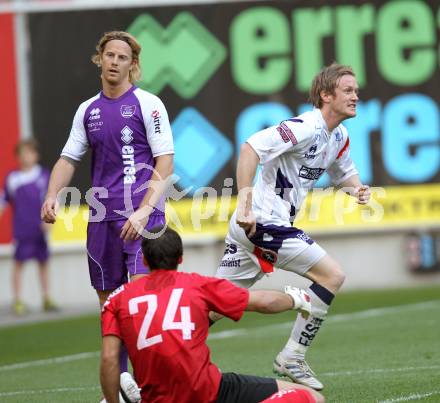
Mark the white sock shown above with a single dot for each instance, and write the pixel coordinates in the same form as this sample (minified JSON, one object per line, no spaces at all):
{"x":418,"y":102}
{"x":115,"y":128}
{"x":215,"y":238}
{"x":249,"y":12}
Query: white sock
{"x":305,"y":330}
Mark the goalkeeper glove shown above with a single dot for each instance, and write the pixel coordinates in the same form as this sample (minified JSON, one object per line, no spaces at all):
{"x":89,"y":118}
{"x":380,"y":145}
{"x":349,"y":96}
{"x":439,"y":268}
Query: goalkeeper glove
{"x":301,"y":300}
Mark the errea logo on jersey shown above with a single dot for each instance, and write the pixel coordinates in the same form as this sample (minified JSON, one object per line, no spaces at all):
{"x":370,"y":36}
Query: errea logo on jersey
{"x":127,"y":154}
{"x":95,"y":114}
{"x":94,"y":124}
{"x":127,"y":137}
{"x":311,"y":153}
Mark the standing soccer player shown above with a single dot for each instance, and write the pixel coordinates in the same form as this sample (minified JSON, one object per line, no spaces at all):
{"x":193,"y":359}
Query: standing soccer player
{"x":129,"y":134}
{"x":24,"y":190}
{"x":163,"y":321}
{"x":293,"y":156}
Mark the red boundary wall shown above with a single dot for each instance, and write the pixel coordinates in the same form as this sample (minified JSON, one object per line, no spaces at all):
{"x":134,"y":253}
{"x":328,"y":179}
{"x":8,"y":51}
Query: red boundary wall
{"x":9,"y":131}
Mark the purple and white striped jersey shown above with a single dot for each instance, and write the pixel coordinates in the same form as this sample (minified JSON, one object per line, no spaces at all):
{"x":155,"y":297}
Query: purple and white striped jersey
{"x":25,"y":191}
{"x":124,"y":134}
{"x":293,"y":156}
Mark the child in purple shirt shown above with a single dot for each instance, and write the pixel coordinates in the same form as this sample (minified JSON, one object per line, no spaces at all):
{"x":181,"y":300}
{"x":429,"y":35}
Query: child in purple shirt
{"x":24,"y":190}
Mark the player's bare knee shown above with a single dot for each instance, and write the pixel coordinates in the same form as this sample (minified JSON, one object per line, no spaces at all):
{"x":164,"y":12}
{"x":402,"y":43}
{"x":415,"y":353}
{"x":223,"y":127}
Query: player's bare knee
{"x":284,"y":385}
{"x":109,"y":356}
{"x":334,"y":277}
{"x":318,"y":397}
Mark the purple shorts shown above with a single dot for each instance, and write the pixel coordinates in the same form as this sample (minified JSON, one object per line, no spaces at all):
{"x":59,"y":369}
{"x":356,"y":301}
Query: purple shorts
{"x":36,"y":248}
{"x":110,"y":258}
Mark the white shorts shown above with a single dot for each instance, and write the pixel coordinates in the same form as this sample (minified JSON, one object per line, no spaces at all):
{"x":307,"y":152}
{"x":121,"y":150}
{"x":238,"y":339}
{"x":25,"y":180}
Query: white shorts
{"x":247,"y":260}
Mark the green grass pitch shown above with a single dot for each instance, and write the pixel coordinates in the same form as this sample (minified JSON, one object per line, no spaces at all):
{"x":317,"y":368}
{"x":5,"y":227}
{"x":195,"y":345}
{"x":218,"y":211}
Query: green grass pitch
{"x":381,"y":346}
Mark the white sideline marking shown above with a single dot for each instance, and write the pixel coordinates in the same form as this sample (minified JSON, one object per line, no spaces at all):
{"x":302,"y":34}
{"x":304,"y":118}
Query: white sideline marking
{"x":370,"y":313}
{"x":380,"y":370}
{"x":43,"y":391}
{"x":240,"y":332}
{"x":416,"y":396}
{"x":226,"y":334}
{"x":344,"y":317}
{"x":55,"y":360}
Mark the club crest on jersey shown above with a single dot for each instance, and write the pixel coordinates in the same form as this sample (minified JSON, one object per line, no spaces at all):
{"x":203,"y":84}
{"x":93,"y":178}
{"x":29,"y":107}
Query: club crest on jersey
{"x":338,"y":136}
{"x":286,"y":134}
{"x":127,"y":111}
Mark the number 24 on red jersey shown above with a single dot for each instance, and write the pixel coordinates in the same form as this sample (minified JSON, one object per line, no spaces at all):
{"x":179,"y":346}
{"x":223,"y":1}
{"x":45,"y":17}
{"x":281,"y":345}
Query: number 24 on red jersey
{"x":146,"y":340}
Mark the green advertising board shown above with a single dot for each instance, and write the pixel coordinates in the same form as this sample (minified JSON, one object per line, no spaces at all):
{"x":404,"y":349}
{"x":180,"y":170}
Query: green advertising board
{"x":226,"y":70}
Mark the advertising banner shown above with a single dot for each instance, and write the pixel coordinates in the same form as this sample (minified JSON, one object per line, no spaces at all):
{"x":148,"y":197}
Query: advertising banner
{"x":225,"y":71}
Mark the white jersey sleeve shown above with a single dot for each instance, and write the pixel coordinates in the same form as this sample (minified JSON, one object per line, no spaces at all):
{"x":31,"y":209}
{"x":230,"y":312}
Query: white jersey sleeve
{"x":343,"y":167}
{"x":270,"y":143}
{"x":157,"y":124}
{"x":77,"y":143}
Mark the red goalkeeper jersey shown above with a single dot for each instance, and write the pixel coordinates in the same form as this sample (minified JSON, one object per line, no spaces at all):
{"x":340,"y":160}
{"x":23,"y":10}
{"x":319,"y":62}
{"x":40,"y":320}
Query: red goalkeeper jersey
{"x":163,"y":321}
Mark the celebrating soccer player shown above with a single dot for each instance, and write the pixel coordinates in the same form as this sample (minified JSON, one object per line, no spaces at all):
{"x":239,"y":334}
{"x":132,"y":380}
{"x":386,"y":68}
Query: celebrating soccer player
{"x":293,"y":155}
{"x":163,"y":320}
{"x":129,"y":134}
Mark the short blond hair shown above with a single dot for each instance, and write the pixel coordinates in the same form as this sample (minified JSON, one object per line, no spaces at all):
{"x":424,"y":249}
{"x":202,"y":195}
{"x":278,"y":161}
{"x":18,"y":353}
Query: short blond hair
{"x":135,"y":72}
{"x":327,"y":80}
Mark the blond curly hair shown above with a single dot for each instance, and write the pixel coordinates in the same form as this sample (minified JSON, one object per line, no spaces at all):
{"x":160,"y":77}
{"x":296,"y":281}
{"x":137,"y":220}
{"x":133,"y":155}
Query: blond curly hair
{"x":135,"y":72}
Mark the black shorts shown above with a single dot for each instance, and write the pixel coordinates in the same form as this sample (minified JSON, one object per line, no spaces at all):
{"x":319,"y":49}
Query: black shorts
{"x":236,"y":388}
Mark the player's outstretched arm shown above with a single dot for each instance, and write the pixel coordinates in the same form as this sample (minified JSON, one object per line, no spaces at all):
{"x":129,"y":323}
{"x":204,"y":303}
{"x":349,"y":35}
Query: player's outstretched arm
{"x":109,"y":371}
{"x":265,"y":301}
{"x":60,"y":177}
{"x":246,"y":168}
